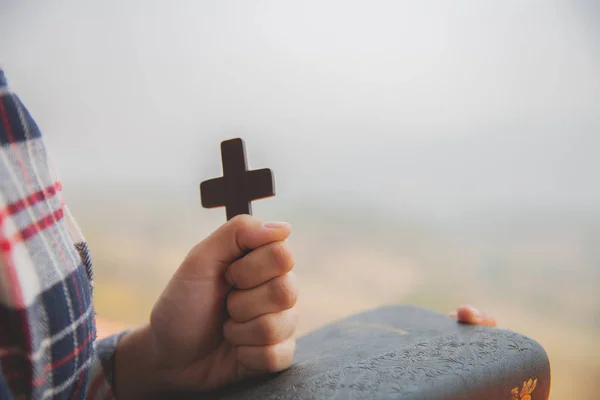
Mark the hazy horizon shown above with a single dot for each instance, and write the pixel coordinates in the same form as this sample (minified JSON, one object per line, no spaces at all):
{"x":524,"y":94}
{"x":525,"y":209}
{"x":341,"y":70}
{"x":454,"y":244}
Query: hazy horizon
{"x":429,"y":108}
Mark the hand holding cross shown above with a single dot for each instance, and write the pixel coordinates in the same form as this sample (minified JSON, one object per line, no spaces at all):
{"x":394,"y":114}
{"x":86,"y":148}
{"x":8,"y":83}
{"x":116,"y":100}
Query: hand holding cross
{"x":232,"y":286}
{"x":238,"y":187}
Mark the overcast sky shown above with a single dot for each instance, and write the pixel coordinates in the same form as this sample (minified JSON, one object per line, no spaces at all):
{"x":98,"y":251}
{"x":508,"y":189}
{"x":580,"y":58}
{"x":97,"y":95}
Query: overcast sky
{"x":433,"y":106}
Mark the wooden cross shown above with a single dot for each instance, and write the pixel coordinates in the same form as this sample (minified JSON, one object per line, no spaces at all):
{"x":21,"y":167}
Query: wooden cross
{"x":238,"y":187}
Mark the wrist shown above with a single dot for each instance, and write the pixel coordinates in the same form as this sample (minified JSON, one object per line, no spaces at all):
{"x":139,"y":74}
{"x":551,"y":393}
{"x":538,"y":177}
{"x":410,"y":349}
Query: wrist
{"x":137,"y":373}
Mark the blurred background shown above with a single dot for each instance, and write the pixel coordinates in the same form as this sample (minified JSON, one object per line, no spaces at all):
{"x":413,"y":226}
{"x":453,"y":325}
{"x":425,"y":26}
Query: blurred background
{"x":426,"y":152}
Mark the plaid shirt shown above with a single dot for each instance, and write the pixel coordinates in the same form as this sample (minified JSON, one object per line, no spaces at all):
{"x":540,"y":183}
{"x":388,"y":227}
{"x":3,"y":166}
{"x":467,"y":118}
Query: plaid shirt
{"x":48,"y":346}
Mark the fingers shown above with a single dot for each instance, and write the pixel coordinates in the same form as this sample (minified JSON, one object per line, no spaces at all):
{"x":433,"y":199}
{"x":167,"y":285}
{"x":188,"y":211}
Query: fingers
{"x":273,"y":358}
{"x":276,"y":295}
{"x":267,"y":329}
{"x":470,"y":315}
{"x":261,"y":265}
{"x":261,"y":307}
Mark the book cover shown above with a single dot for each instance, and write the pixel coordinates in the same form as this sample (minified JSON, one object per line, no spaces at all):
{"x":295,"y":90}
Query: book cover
{"x":408,"y":353}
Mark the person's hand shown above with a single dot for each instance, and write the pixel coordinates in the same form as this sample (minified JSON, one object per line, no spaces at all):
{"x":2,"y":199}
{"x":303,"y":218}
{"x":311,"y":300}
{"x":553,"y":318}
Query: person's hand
{"x":470,"y":315}
{"x":228,"y":312}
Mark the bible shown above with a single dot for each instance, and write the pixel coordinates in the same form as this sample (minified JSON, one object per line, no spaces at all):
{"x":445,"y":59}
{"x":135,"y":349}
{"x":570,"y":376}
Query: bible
{"x":404,"y":353}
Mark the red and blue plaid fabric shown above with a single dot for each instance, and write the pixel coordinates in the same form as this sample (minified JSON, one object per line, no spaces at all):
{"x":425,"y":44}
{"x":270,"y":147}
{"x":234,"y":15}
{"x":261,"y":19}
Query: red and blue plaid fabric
{"x":48,"y":346}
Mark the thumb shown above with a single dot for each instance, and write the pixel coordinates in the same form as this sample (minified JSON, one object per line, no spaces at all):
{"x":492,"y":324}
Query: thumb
{"x":236,"y":237}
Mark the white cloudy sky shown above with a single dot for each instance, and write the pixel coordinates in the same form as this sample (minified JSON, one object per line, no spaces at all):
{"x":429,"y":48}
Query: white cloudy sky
{"x":434,"y":106}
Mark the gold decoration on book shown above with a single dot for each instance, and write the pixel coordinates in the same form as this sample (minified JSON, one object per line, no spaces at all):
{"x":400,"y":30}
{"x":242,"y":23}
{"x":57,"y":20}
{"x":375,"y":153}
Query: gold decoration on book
{"x":526,"y":389}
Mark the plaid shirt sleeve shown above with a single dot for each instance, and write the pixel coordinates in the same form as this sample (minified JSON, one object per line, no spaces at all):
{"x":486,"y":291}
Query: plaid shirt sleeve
{"x":48,"y":346}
